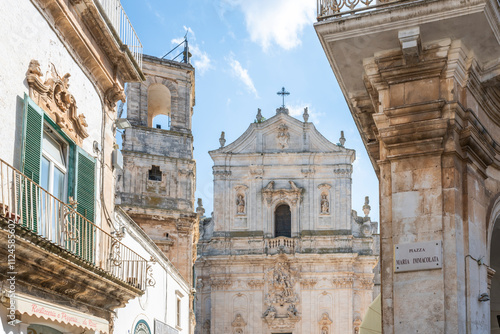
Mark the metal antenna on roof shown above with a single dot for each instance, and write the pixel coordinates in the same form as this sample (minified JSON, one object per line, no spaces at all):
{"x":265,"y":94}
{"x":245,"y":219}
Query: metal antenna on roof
{"x":186,"y":55}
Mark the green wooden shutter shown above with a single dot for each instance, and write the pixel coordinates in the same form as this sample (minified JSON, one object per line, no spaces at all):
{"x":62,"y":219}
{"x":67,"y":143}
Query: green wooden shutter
{"x":31,"y":156}
{"x":85,"y":196}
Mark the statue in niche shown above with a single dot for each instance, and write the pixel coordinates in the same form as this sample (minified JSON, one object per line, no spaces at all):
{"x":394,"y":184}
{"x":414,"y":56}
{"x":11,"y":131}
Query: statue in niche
{"x":240,"y":204}
{"x":324,"y":330}
{"x":325,"y":206}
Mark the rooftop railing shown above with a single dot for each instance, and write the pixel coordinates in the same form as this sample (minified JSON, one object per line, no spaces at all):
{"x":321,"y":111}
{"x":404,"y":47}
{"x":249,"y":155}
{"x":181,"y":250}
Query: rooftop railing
{"x":25,"y":203}
{"x":120,"y":22}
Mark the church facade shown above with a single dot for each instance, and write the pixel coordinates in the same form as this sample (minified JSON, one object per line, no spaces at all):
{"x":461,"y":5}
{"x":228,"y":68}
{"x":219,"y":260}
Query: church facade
{"x":284,"y":252}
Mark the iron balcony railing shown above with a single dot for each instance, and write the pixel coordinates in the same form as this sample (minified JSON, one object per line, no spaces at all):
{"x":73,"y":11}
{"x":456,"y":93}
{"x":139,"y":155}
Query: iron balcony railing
{"x":24,"y":202}
{"x":122,"y":26}
{"x":337,"y":8}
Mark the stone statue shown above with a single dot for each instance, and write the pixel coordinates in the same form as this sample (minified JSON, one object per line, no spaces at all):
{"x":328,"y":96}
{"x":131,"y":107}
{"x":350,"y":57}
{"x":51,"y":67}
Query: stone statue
{"x":306,"y":114}
{"x":240,"y":204}
{"x":325,"y":206}
{"x":324,"y":330}
{"x":342,"y":138}
{"x":222,"y":139}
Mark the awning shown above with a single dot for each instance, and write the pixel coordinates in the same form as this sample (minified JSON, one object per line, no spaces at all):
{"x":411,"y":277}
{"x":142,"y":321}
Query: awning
{"x":372,"y":321}
{"x":42,"y":309}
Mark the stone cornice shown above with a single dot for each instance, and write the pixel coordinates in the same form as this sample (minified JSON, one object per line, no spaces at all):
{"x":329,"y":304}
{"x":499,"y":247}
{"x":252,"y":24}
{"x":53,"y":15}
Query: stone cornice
{"x":99,"y":51}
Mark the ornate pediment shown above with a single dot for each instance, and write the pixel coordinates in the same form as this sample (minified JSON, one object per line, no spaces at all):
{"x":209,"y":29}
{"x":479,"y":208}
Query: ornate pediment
{"x":291,"y":196}
{"x":53,"y":96}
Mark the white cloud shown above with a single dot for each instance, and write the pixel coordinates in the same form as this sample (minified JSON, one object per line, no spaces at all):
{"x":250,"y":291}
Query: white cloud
{"x":277,"y":21}
{"x":297,"y":110}
{"x":242,"y":74}
{"x":200,"y":59}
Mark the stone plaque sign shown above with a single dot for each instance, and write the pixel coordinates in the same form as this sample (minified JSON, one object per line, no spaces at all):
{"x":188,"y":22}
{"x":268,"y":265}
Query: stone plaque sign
{"x":418,"y":256}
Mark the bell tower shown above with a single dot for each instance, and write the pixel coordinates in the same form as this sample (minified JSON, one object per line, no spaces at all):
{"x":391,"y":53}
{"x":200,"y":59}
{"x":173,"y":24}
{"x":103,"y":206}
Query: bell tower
{"x":157,"y":188}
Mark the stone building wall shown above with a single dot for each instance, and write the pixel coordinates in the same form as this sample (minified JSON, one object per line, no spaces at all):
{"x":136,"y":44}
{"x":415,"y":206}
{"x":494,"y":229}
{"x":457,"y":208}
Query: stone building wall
{"x":158,"y":182}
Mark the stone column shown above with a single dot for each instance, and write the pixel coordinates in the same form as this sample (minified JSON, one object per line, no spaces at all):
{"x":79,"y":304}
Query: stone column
{"x":433,"y":155}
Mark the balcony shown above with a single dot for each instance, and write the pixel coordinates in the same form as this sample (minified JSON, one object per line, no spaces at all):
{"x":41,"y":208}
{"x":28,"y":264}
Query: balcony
{"x":327,"y":9}
{"x":113,"y":11}
{"x":281,"y":245}
{"x":55,"y":247}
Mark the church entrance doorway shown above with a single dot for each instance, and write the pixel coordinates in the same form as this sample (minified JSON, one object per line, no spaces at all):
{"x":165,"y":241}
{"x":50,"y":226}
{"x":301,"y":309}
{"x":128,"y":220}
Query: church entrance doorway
{"x":283,"y":221}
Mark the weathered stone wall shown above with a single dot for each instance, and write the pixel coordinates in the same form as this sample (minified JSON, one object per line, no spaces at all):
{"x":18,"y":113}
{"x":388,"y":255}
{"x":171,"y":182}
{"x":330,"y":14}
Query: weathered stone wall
{"x":424,"y":94}
{"x":163,"y":205}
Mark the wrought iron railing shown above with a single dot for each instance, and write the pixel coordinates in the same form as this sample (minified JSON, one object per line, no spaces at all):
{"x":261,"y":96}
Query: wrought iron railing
{"x":122,"y":26}
{"x":333,"y":8}
{"x":24,"y":202}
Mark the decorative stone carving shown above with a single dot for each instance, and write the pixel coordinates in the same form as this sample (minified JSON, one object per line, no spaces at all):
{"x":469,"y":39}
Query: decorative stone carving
{"x":308,"y":283}
{"x":324,"y":323}
{"x":255,"y":284}
{"x":238,"y":324}
{"x":366,"y":283}
{"x":308,"y":171}
{"x":240,"y":204}
{"x":222,"y":139}
{"x":325,"y":205}
{"x":220,"y":283}
{"x":53,"y":97}
{"x":356,"y":323}
{"x":281,"y":300}
{"x":366,"y":206}
{"x":306,"y":114}
{"x":283,"y":136}
{"x":342,"y":138}
{"x":342,"y":282}
{"x":292,"y":196}
{"x":113,"y":95}
{"x":222,"y":173}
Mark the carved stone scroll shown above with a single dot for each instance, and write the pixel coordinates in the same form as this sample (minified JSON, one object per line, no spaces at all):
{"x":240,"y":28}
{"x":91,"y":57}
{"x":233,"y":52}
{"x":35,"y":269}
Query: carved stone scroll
{"x":53,"y":96}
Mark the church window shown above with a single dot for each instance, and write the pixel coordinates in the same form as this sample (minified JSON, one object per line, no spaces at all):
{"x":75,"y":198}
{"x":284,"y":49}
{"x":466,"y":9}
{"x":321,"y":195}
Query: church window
{"x":283,"y":221}
{"x":155,"y":173}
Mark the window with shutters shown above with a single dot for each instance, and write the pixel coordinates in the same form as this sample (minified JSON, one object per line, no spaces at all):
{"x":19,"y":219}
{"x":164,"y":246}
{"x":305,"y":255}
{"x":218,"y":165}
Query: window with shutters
{"x":53,"y":161}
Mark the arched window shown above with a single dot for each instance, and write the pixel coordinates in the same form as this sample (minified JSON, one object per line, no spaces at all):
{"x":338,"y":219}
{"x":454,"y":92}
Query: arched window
{"x":159,"y":103}
{"x":283,"y":221}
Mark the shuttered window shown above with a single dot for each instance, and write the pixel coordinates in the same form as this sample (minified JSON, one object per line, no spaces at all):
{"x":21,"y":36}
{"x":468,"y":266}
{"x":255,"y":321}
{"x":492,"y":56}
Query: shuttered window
{"x":31,"y":163}
{"x":80,"y":177}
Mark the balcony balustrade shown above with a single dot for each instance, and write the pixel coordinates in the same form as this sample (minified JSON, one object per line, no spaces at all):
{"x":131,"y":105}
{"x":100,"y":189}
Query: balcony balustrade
{"x":337,"y":8}
{"x":32,"y":208}
{"x":114,"y":12}
{"x":287,"y":245}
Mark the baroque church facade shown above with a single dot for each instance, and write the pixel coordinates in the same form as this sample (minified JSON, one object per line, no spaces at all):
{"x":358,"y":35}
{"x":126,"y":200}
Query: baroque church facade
{"x":284,"y":252}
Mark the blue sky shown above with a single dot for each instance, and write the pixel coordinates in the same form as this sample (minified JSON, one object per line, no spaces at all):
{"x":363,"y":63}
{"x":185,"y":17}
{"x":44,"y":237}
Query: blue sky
{"x":243,"y":53}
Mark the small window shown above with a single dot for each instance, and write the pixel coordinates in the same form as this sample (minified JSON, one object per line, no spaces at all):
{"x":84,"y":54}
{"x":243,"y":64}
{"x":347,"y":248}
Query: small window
{"x":155,"y":173}
{"x":178,"y":322}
